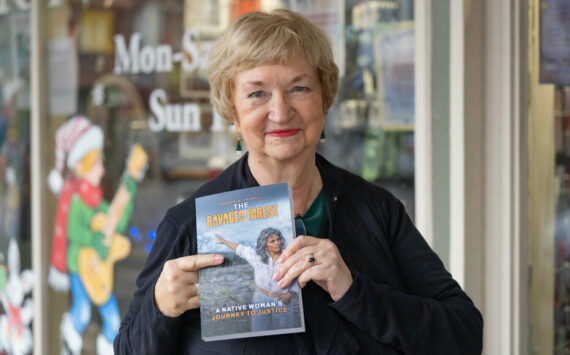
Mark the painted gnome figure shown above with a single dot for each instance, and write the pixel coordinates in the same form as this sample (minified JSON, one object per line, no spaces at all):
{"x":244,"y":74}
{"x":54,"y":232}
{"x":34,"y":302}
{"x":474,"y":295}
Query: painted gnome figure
{"x":87,"y":233}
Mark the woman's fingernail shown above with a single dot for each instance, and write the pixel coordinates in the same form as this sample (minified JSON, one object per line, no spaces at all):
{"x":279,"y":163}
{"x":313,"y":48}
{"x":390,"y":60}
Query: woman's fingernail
{"x":218,"y":258}
{"x":281,"y":258}
{"x":276,"y":275}
{"x":281,"y":283}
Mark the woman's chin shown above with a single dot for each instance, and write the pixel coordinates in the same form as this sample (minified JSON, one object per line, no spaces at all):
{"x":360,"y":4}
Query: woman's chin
{"x":287,"y":152}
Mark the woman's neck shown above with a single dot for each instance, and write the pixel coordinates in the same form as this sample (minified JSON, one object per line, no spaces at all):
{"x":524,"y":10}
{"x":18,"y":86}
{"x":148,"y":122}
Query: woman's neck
{"x":274,"y":256}
{"x":300,"y":173}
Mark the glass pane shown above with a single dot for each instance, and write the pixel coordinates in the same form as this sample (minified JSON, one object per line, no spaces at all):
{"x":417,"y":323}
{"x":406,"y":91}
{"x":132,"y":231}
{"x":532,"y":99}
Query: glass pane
{"x":16,"y":278}
{"x":131,"y":133}
{"x":128,"y":88}
{"x":370,"y":128}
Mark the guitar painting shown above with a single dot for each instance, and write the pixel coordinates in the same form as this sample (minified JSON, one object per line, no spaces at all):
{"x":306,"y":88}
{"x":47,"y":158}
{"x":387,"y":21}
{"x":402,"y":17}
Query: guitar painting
{"x":88,"y":231}
{"x":95,"y":273}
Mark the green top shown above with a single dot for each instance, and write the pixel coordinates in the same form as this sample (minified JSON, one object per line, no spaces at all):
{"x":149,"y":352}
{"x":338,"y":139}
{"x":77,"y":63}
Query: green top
{"x":315,"y":215}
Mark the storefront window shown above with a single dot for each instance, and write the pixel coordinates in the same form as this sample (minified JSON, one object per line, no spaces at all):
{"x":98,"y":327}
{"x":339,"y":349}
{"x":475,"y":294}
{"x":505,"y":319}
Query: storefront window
{"x":16,"y":278}
{"x":132,"y":131}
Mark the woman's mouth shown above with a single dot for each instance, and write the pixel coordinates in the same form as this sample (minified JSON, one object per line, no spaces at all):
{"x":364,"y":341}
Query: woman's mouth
{"x":280,"y":133}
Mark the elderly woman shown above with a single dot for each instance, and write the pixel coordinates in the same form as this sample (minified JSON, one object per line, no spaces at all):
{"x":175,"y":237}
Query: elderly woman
{"x":370,"y":282}
{"x":265,"y":260}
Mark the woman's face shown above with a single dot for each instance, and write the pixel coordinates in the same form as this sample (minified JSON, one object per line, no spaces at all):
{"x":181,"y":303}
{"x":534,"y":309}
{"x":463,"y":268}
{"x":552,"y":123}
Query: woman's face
{"x":274,"y":244}
{"x":279,"y":109}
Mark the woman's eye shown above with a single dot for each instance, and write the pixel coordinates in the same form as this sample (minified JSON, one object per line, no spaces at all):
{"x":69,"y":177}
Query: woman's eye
{"x":255,"y":94}
{"x":301,"y":88}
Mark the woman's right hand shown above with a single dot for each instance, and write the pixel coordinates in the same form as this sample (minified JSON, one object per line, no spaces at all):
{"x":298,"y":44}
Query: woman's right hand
{"x":227,"y":243}
{"x":176,"y":289}
{"x":221,"y":239}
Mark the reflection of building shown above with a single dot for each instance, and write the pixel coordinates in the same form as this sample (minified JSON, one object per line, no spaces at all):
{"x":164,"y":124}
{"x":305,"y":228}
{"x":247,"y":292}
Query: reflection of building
{"x":434,"y":103}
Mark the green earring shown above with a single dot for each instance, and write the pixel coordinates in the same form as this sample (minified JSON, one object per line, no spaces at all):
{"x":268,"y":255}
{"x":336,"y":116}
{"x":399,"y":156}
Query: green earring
{"x":323,"y":137}
{"x":238,"y":145}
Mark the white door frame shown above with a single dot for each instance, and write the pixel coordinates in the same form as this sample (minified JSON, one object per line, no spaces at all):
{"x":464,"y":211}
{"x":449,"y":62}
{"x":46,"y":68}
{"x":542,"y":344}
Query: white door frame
{"x":40,"y":241}
{"x":488,"y":198}
{"x":505,"y":241}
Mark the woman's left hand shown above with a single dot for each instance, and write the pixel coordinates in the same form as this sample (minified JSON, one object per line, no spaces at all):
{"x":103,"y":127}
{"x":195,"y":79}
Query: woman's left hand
{"x":308,"y":258}
{"x":286,"y":298}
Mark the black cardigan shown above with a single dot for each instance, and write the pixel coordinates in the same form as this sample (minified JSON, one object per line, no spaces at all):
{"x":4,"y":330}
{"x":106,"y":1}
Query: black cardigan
{"x":402,"y":299}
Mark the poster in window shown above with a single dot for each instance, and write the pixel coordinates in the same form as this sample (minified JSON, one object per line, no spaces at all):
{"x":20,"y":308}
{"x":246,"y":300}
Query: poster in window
{"x":203,"y":23}
{"x":394,"y":61}
{"x":329,"y":16}
{"x":555,"y":42}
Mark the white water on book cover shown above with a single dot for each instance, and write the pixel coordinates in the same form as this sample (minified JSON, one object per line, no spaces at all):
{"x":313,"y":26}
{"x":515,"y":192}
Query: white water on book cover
{"x":239,"y":299}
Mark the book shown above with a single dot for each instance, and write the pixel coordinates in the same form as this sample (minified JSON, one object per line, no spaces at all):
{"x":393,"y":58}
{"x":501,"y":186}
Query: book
{"x":250,"y":228}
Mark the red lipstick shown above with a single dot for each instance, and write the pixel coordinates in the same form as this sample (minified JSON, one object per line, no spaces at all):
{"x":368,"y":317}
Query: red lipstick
{"x":280,"y":133}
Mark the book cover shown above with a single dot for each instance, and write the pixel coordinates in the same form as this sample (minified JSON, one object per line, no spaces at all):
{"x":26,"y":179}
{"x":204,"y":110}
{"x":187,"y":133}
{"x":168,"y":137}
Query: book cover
{"x":250,"y":228}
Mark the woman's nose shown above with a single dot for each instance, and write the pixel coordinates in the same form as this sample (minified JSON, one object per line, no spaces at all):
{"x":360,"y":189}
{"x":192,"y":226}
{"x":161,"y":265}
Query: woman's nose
{"x":281,"y":109}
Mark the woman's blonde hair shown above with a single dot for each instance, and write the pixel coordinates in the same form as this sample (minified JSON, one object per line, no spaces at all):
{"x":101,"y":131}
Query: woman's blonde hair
{"x":260,"y":38}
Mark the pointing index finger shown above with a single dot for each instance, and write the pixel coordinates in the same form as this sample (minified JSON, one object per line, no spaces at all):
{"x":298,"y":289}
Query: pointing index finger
{"x":195,"y":262}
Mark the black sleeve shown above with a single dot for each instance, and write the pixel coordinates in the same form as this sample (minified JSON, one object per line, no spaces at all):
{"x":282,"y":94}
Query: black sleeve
{"x":144,"y":329}
{"x":431,"y":316}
